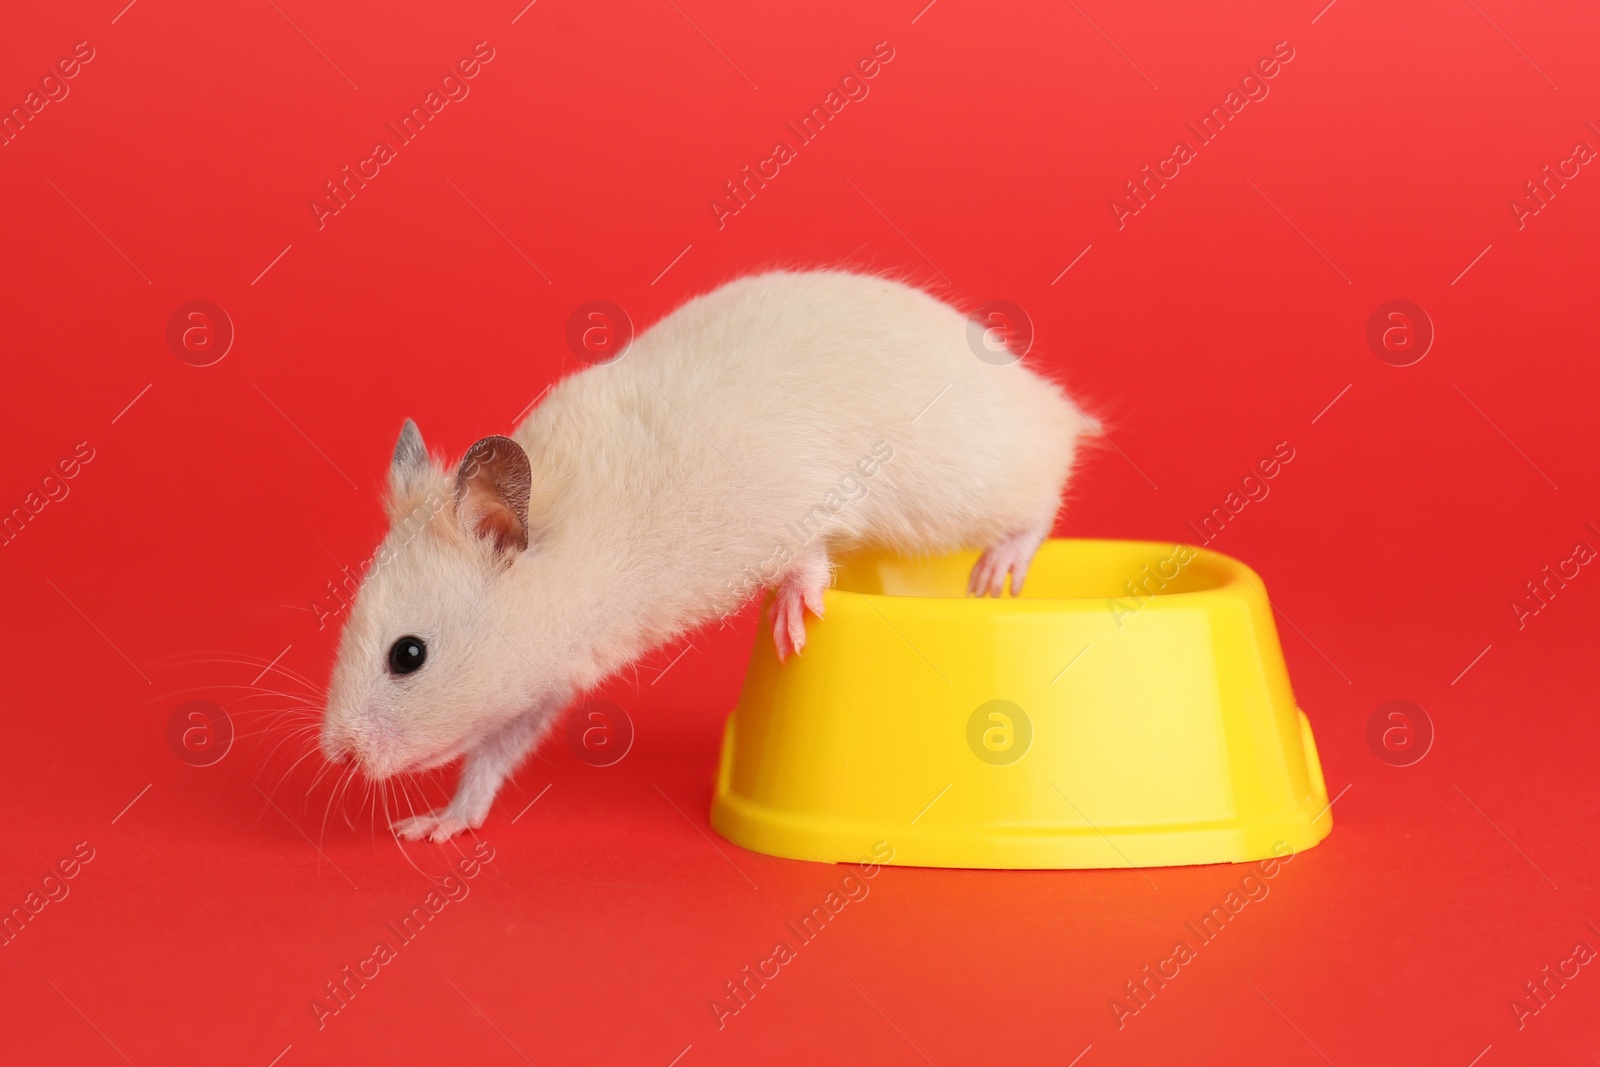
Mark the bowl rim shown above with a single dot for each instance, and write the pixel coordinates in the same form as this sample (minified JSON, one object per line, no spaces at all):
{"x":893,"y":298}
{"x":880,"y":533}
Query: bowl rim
{"x":1235,"y":576}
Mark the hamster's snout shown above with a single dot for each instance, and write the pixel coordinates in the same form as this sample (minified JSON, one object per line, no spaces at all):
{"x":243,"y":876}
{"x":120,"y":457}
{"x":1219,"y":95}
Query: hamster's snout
{"x":336,"y":744}
{"x":369,"y":737}
{"x":334,"y":749}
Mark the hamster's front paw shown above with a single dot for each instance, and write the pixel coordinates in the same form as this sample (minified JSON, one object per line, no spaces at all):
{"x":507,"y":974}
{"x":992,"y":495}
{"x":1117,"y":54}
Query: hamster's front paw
{"x":438,"y":825}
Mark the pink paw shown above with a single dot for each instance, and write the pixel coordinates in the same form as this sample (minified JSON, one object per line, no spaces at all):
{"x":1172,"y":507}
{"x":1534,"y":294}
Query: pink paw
{"x":435,"y":826}
{"x":794,"y":598}
{"x":1012,"y":555}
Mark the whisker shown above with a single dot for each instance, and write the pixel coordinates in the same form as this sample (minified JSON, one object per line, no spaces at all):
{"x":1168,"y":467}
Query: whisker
{"x":326,"y":766}
{"x":344,"y":779}
{"x":311,"y":751}
{"x":237,"y":659}
{"x":399,"y":842}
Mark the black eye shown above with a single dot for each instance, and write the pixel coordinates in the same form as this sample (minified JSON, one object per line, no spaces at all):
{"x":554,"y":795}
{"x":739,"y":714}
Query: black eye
{"x":406,"y":655}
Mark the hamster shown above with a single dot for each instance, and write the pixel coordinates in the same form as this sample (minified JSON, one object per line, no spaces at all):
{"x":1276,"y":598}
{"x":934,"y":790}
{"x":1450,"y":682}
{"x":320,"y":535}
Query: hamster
{"x":739,"y":444}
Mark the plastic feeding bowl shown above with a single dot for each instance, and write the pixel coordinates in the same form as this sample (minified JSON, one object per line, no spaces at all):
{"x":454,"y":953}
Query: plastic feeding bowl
{"x":1130,"y":709}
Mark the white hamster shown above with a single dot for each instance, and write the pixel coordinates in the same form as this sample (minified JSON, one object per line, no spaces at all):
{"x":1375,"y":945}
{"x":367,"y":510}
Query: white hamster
{"x":738,"y":444}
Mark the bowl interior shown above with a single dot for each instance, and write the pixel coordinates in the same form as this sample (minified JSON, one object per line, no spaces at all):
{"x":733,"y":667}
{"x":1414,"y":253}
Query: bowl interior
{"x":1063,"y":570}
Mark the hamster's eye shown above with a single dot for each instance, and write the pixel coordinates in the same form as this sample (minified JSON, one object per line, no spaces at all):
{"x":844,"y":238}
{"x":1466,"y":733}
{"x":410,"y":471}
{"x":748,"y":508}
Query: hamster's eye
{"x":407,"y":654}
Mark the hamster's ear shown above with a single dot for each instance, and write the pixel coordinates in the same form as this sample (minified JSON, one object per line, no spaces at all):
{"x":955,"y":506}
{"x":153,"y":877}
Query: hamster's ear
{"x":410,"y":462}
{"x":492,"y":491}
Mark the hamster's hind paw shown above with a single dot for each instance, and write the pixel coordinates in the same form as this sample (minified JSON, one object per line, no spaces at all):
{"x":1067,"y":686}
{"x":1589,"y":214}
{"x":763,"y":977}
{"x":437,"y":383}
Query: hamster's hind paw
{"x":799,"y":593}
{"x":435,"y":826}
{"x":1012,"y":555}
{"x":788,"y":623}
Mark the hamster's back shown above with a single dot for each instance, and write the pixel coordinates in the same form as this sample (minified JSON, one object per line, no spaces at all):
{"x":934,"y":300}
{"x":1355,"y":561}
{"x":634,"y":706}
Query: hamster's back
{"x":746,"y":406}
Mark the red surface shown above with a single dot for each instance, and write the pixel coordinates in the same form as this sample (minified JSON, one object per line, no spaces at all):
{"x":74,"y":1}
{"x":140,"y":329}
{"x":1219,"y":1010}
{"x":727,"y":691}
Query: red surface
{"x":1220,"y":320}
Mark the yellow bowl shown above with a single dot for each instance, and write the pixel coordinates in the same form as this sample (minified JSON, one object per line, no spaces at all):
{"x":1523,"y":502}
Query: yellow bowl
{"x":1130,"y":709}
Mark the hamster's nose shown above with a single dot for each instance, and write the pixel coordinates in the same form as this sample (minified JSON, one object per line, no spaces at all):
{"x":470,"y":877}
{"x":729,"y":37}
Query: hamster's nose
{"x":335,"y":746}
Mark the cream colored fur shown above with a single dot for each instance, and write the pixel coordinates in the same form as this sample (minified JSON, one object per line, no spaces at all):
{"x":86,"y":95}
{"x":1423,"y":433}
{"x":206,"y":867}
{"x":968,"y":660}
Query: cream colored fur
{"x":665,"y":487}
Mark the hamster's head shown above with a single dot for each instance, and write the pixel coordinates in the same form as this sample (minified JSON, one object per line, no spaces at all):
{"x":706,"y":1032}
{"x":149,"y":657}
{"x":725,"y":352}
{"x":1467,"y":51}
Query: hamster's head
{"x":426,"y":666}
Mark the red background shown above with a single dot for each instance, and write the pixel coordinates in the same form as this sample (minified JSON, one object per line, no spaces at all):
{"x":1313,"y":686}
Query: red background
{"x":1222,"y":319}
